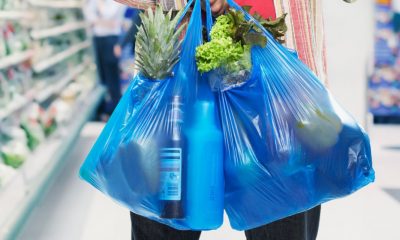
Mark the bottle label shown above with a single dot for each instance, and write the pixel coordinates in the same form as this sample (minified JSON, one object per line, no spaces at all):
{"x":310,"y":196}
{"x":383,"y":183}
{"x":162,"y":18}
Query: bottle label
{"x":171,"y":174}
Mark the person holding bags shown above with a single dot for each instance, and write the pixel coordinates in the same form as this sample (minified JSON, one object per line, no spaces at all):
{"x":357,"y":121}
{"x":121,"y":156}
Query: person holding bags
{"x":303,"y":226}
{"x":264,"y":141}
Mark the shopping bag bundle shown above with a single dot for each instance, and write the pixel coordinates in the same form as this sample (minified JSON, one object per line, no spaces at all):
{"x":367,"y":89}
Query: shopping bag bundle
{"x":240,"y":125}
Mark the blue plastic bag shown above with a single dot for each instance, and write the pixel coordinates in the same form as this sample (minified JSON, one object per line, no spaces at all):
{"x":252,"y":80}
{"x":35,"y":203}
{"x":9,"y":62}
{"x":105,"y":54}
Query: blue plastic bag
{"x":273,"y":146}
{"x":144,"y":158}
{"x":288,"y":145}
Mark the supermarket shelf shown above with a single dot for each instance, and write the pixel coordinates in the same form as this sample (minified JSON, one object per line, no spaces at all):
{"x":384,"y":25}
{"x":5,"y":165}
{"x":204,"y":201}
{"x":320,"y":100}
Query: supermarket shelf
{"x":15,"y":105}
{"x":59,"y":57}
{"x":15,"y":15}
{"x":52,"y":153}
{"x":59,"y":86}
{"x":55,"y":31}
{"x":57,"y":3}
{"x":15,"y":59}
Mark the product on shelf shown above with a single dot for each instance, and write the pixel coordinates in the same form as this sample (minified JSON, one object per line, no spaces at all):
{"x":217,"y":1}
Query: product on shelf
{"x":71,"y":92}
{"x":19,"y":79}
{"x":63,"y":111}
{"x":4,"y":91}
{"x":14,"y":149}
{"x":87,"y":79}
{"x":14,"y":154}
{"x":13,"y":4}
{"x":48,"y":120}
{"x":39,"y":59}
{"x":16,"y":38}
{"x":30,"y":123}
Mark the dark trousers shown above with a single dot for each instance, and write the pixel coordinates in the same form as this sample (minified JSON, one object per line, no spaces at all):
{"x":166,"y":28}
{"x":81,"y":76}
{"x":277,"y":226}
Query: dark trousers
{"x":302,"y":226}
{"x":108,"y":70}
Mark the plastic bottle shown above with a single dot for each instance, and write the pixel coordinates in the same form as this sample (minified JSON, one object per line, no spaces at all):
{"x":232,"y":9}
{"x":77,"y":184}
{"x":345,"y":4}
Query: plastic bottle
{"x":205,"y":175}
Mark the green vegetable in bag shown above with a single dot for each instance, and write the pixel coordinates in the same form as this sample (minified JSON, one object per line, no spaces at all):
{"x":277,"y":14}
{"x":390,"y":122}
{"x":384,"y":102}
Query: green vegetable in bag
{"x":232,"y":37}
{"x":320,"y":131}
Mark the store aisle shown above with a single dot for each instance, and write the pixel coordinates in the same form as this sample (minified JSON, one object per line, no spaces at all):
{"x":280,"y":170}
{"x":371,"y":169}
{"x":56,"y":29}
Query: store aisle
{"x":74,"y":210}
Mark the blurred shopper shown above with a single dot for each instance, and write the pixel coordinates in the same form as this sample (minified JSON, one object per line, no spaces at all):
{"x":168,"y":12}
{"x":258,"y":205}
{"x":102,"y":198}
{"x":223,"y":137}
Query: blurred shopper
{"x":129,"y":38}
{"x":105,"y":17}
{"x":125,"y":49}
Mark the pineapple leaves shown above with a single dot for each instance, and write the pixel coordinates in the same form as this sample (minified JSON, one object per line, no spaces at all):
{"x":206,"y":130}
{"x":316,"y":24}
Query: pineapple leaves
{"x":158,"y":43}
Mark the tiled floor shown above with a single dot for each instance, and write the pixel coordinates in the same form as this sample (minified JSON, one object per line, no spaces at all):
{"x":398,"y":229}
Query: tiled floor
{"x":72,"y":210}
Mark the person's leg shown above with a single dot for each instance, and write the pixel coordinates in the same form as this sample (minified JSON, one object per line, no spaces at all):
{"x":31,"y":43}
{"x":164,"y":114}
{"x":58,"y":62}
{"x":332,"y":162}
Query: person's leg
{"x":302,"y":226}
{"x":99,"y":44}
{"x":145,"y":229}
{"x":111,"y":71}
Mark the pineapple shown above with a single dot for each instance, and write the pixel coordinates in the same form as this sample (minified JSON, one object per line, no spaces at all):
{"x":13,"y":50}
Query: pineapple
{"x":158,"y":43}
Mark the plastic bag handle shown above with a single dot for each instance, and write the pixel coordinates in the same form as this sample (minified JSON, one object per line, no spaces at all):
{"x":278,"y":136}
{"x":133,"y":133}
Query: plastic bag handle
{"x":184,"y":12}
{"x":209,"y":19}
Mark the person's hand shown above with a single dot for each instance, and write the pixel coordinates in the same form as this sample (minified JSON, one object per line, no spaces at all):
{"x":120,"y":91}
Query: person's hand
{"x":218,"y":7}
{"x":117,"y":51}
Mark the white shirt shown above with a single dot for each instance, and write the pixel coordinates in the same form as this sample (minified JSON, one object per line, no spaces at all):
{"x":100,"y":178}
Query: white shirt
{"x":105,"y":16}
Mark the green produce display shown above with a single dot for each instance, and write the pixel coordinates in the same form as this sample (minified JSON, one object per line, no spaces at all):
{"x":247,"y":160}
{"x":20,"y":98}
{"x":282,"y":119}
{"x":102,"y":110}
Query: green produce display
{"x":13,"y":160}
{"x":34,"y":133}
{"x":14,"y":153}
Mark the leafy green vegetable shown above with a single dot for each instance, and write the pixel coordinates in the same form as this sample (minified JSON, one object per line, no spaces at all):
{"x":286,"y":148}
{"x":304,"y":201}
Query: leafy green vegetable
{"x":243,"y":63}
{"x":232,"y":37}
{"x":223,"y":28}
{"x":217,"y":52}
{"x":227,"y":47}
{"x":277,"y":27}
{"x":253,"y":38}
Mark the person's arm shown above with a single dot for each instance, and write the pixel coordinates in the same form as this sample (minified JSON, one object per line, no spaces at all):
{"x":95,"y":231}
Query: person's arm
{"x":139,"y":4}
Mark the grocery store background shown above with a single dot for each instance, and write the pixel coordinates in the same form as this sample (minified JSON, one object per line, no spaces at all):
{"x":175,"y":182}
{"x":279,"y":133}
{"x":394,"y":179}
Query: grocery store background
{"x":47,"y":72}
